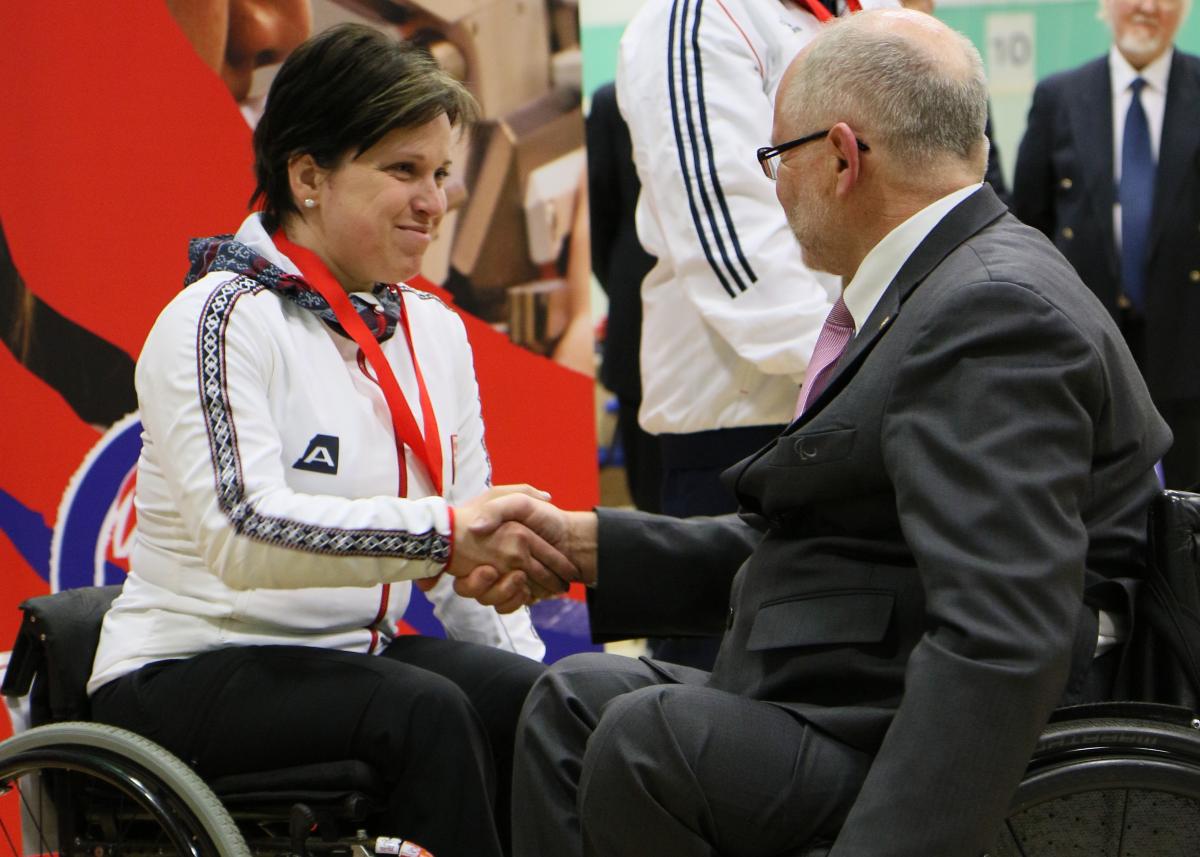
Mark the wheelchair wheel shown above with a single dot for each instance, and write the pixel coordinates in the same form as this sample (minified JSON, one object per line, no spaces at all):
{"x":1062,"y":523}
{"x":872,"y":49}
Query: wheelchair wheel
{"x":95,"y":790}
{"x":1108,"y":788}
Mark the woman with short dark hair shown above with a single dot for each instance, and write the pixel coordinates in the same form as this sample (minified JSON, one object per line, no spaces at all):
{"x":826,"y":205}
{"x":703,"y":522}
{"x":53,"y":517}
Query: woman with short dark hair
{"x":310,"y":429}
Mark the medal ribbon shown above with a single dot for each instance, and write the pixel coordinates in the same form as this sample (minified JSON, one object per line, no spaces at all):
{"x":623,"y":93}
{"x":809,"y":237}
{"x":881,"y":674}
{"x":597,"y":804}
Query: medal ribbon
{"x":428,"y":447}
{"x":822,"y":14}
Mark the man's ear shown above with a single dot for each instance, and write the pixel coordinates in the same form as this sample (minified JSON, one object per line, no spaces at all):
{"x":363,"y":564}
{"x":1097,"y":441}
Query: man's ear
{"x":845,"y":144}
{"x":305,"y":177}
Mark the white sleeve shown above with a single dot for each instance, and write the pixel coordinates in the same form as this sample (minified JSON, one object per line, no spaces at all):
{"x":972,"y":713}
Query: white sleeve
{"x":706,"y":209}
{"x":465,"y":618}
{"x":203,"y":383}
{"x":471,"y":467}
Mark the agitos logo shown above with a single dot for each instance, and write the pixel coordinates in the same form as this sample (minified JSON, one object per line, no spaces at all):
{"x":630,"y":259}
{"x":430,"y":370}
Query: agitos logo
{"x":94,"y":529}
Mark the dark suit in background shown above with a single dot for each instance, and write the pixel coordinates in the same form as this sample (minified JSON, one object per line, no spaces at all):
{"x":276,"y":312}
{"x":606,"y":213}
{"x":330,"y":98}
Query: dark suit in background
{"x":619,"y":263}
{"x":914,"y":553}
{"x":995,"y":173}
{"x":1064,"y":186}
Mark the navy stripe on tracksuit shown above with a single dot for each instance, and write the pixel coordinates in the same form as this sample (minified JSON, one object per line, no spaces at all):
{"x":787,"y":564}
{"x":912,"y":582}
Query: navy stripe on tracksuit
{"x":689,"y":113}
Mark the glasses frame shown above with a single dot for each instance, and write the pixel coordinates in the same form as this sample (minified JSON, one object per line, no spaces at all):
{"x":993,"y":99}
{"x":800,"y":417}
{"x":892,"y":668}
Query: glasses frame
{"x":768,"y":156}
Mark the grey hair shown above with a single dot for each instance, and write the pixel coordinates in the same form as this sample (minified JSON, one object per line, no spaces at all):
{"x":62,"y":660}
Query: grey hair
{"x":883,"y":85}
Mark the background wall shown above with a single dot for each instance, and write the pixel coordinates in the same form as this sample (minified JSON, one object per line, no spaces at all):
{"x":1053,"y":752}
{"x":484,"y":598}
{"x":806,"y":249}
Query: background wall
{"x":1021,"y":41}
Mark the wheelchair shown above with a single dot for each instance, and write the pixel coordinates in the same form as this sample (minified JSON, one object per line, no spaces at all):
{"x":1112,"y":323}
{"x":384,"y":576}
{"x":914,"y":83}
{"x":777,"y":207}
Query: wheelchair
{"x":90,"y":789}
{"x":1123,"y":778}
{"x":1110,"y":779}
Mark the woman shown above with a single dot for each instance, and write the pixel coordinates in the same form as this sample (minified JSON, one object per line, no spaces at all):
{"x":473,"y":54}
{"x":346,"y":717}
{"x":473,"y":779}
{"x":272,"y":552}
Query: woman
{"x":308,"y":433}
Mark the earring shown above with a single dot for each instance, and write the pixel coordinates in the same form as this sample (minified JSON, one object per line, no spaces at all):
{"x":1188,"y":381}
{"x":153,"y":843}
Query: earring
{"x":310,"y":203}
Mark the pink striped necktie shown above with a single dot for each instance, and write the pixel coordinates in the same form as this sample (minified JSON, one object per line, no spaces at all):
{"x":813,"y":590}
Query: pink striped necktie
{"x":836,"y":334}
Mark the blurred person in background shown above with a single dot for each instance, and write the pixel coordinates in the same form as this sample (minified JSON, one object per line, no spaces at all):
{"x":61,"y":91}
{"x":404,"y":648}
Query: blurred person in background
{"x":620,"y":262}
{"x":1109,"y":170}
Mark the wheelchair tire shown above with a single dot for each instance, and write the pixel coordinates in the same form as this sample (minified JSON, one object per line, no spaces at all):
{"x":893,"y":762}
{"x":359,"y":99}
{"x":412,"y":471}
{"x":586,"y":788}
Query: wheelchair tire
{"x":1107,"y":787}
{"x":141,"y":787}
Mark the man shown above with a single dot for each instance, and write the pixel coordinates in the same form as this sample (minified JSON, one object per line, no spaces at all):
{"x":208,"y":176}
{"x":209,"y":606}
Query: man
{"x":1109,"y":168}
{"x":914,"y":550}
{"x":731,"y":313}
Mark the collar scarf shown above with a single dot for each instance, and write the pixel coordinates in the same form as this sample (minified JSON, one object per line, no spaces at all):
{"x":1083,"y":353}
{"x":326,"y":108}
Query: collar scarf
{"x":223,"y":253}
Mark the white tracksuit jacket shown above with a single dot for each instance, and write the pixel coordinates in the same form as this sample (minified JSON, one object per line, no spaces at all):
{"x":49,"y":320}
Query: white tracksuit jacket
{"x":730,"y":312}
{"x":236,"y":544}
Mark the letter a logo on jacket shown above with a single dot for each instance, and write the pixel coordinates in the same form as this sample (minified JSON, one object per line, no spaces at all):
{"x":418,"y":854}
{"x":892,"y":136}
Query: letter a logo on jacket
{"x":321,"y":455}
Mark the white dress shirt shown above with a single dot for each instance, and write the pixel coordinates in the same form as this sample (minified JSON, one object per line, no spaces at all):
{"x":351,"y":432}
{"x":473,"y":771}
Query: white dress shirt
{"x":886,"y":258}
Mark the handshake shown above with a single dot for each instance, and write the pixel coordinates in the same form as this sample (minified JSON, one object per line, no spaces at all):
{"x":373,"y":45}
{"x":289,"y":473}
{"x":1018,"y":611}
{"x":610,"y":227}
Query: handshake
{"x":512,"y":547}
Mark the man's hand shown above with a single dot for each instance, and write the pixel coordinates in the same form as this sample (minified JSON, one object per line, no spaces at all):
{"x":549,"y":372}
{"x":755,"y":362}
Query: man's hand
{"x":514,"y":547}
{"x":572,"y":534}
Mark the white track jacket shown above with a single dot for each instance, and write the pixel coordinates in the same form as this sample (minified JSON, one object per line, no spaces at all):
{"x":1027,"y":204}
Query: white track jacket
{"x":730,"y":312}
{"x":267,"y":487}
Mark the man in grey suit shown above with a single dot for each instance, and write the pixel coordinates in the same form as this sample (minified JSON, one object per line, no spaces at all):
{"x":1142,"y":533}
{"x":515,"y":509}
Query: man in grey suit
{"x":1109,"y":169}
{"x":903,"y":592}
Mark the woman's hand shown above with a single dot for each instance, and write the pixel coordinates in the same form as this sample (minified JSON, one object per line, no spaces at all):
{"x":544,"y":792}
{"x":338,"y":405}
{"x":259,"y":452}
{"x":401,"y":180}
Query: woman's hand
{"x":514,"y":540}
{"x":572,"y":534}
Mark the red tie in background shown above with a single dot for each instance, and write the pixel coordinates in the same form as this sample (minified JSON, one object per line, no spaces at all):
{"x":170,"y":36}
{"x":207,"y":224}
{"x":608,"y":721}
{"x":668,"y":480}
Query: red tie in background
{"x":836,"y":334}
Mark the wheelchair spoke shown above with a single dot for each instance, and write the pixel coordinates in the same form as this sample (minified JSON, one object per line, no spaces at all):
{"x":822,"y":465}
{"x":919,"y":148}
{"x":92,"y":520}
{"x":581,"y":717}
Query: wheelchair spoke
{"x":11,"y":847}
{"x":1124,"y":821}
{"x":28,"y":809}
{"x":1013,"y":838}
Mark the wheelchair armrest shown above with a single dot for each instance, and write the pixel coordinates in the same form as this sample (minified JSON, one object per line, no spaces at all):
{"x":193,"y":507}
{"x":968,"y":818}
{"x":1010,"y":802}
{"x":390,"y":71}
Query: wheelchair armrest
{"x":52,"y":655}
{"x":1171,"y":599}
{"x":24,"y":661}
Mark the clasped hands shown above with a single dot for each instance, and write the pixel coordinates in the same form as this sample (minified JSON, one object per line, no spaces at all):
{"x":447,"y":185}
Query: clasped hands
{"x":513,"y":547}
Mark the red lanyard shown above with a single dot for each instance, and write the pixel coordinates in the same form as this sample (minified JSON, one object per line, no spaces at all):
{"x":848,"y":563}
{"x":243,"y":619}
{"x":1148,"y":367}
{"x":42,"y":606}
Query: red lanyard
{"x":427,"y":448}
{"x":822,"y":14}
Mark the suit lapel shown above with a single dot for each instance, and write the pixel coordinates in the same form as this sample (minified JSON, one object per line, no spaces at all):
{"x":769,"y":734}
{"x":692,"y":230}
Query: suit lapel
{"x":1091,"y":119}
{"x":1179,"y":150}
{"x":964,"y":220}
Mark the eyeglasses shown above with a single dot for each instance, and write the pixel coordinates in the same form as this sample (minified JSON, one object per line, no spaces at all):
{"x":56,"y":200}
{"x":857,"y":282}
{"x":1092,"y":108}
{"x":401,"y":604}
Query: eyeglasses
{"x":768,"y":156}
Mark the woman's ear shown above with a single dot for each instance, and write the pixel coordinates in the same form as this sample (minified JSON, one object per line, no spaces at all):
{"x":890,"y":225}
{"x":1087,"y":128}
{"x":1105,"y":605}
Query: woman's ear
{"x":305,"y":177}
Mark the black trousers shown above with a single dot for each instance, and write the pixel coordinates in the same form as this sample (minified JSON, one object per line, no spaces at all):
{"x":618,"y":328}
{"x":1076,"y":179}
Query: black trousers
{"x":1181,"y":464}
{"x":643,"y":458}
{"x":435,"y":717}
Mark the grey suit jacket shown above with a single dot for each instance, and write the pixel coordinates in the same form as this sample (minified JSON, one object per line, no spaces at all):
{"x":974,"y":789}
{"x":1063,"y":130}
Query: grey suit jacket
{"x":1064,"y":186}
{"x":911,"y":555}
